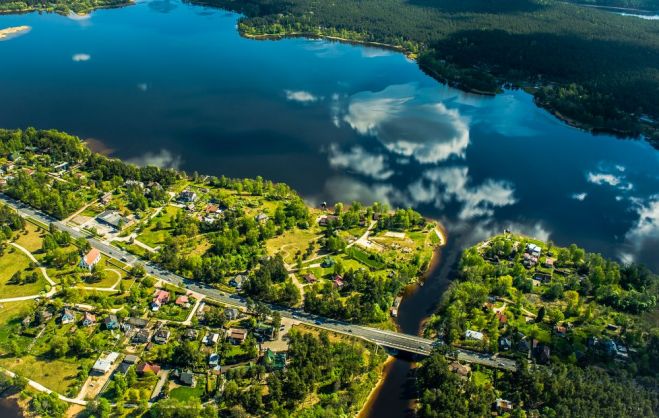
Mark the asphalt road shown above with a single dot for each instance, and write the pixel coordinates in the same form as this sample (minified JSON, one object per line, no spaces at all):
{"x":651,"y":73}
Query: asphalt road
{"x":389,"y":339}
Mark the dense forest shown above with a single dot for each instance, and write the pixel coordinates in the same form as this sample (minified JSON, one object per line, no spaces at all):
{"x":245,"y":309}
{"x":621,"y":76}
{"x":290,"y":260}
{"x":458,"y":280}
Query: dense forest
{"x":58,"y":6}
{"x":562,"y":53}
{"x":561,"y":390}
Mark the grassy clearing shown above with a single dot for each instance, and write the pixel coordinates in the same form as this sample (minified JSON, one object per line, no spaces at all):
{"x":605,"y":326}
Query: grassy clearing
{"x":55,"y":374}
{"x":12,"y":262}
{"x":154,"y":237}
{"x":32,"y":238}
{"x":290,"y":242}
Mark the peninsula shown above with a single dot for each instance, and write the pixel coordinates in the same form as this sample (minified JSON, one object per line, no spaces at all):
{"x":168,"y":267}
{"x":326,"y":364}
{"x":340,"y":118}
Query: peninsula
{"x":108,"y":331}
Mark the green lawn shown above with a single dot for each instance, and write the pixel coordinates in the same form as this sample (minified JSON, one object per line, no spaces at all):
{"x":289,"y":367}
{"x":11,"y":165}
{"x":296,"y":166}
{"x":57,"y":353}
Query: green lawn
{"x":12,"y":262}
{"x":185,"y":393}
{"x":154,"y":237}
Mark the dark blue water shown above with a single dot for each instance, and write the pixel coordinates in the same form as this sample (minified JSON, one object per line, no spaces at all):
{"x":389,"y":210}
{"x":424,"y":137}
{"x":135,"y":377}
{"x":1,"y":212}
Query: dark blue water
{"x":172,"y":84}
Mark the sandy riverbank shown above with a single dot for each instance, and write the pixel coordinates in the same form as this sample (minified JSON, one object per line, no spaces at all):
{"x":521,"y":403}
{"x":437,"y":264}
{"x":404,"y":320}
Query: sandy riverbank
{"x":371,"y":396}
{"x":9,"y":33}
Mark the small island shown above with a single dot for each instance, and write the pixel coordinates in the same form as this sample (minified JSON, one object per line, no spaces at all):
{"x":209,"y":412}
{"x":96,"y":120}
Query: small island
{"x":8,"y":33}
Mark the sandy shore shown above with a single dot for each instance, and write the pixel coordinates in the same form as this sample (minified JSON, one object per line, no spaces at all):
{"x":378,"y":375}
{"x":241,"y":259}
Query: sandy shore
{"x":371,"y":396}
{"x":10,"y":32}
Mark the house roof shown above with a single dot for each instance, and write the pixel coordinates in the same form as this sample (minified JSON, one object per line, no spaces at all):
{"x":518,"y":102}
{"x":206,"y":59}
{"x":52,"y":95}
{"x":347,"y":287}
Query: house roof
{"x":131,"y":359}
{"x":161,"y":296}
{"x":237,"y":333}
{"x":89,"y":317}
{"x":182,"y":300}
{"x":91,"y":256}
{"x":310,"y":278}
{"x":110,"y":319}
{"x":148,"y":367}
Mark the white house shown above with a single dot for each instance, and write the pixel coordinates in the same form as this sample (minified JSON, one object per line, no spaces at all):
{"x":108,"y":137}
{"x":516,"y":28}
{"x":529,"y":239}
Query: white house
{"x":474,"y":335}
{"x":90,"y":259}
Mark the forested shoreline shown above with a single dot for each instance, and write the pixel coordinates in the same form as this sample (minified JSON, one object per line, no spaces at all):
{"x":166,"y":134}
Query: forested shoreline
{"x":58,"y":6}
{"x":559,"y":52}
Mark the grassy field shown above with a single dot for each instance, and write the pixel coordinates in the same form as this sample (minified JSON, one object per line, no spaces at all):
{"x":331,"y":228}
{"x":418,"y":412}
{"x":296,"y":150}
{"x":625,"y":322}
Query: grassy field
{"x":12,"y":262}
{"x":55,"y":374}
{"x":154,"y":237}
{"x":290,"y":242}
{"x":32,"y":239}
{"x":10,"y":316}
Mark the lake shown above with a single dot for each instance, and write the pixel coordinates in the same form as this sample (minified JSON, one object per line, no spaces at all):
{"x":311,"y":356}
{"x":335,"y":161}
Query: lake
{"x":172,"y":84}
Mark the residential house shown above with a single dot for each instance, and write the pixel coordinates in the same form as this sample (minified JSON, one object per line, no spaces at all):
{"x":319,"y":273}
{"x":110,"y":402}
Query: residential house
{"x":106,"y":199}
{"x":190,"y":334}
{"x":88,"y":319}
{"x":213,"y":359}
{"x":212,"y":208}
{"x":187,"y":378}
{"x":113,"y":219}
{"x":310,"y":278}
{"x":104,"y":364}
{"x":144,"y":368}
{"x":90,"y":259}
{"x":338,"y":281}
{"x":162,"y":336}
{"x":183,"y":301}
{"x":231,"y":314}
{"x":27,"y":321}
{"x":549,"y":262}
{"x":505,"y":344}
{"x":533,"y":249}
{"x":160,"y":298}
{"x":273,"y":361}
{"x":129,"y":360}
{"x":211,"y":339}
{"x":327,"y":219}
{"x":501,"y":317}
{"x":68,"y":316}
{"x":187,"y":196}
{"x":473,"y":335}
{"x":138,"y":322}
{"x":44,"y":316}
{"x":142,"y":336}
{"x":261,"y":217}
{"x":462,"y":370}
{"x":238,"y":281}
{"x":503,"y":405}
{"x":236,"y":335}
{"x":111,"y":322}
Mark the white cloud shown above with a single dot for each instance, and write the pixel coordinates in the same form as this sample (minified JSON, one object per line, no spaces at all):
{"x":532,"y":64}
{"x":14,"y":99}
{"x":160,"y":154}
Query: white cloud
{"x":443,"y":185}
{"x":647,"y":225}
{"x":609,"y":179}
{"x":81,"y":57}
{"x":602,"y":178}
{"x":300,"y":96}
{"x":162,"y":159}
{"x":579,"y":196}
{"x":346,"y":189}
{"x":409,"y":122}
{"x":360,"y":161}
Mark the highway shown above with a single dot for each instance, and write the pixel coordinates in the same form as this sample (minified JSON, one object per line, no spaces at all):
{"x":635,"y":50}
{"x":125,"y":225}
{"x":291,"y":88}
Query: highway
{"x":389,"y":339}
